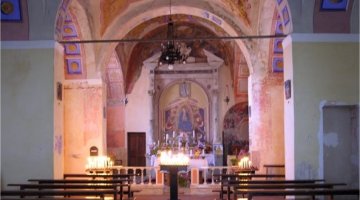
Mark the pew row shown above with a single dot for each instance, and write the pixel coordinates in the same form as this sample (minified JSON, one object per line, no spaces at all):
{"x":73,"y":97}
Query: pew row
{"x":58,"y":193}
{"x":303,"y":192}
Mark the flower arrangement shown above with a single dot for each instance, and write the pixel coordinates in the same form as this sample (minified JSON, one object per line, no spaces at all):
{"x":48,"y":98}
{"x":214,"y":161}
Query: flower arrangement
{"x":154,"y":149}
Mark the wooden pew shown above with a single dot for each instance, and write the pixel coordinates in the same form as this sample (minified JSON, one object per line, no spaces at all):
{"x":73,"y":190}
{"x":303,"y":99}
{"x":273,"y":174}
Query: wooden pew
{"x":95,"y":176}
{"x":241,"y":176}
{"x":243,"y":189}
{"x":56,"y":193}
{"x":112,"y":182}
{"x":303,"y":192}
{"x":105,"y":176}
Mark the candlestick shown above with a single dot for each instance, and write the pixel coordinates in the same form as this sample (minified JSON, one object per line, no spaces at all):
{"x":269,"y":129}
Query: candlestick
{"x":193,"y":133}
{"x":173,"y":134}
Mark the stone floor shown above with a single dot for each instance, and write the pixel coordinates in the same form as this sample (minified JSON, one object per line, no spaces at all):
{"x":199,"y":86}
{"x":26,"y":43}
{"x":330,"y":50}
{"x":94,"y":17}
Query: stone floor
{"x":195,"y":197}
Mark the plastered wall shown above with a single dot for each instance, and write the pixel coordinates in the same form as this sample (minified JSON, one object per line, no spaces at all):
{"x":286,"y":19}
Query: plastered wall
{"x":58,"y":91}
{"x":321,"y":67}
{"x":83,"y":123}
{"x":138,"y":110}
{"x":27,"y":110}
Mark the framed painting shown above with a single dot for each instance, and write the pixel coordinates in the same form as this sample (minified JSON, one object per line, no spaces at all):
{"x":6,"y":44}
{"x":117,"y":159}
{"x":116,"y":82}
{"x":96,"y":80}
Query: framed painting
{"x":287,"y":89}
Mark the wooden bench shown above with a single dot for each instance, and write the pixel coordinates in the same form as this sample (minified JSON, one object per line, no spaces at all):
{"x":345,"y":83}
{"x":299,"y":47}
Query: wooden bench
{"x":113,"y":182}
{"x":244,"y":177}
{"x":303,"y":192}
{"x":57,"y":193}
{"x":243,"y":189}
{"x":95,"y":176}
{"x":228,"y":182}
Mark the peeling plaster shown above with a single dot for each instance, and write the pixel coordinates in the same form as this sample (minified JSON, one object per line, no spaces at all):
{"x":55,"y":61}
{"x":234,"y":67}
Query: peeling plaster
{"x":331,"y":139}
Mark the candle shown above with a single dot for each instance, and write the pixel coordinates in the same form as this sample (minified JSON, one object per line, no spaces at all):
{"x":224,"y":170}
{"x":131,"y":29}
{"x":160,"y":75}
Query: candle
{"x":173,"y":134}
{"x":190,"y":152}
{"x":193,"y":133}
{"x":203,"y":152}
{"x":166,"y":138}
{"x":158,"y":142}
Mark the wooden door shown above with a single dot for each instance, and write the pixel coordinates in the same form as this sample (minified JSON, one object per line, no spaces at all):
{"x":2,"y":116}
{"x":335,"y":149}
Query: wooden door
{"x":136,"y":149}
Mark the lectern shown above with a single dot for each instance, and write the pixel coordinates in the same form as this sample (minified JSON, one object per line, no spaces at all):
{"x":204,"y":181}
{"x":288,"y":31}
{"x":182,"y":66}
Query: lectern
{"x":173,"y":163}
{"x":173,"y":171}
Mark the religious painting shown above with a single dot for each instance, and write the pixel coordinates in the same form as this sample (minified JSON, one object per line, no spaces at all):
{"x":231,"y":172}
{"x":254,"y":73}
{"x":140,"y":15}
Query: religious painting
{"x":184,"y":120}
{"x":287,"y":89}
{"x":236,"y":129}
{"x":10,"y":10}
{"x":334,"y":5}
{"x":184,"y":117}
{"x":169,"y":119}
{"x":185,"y":89}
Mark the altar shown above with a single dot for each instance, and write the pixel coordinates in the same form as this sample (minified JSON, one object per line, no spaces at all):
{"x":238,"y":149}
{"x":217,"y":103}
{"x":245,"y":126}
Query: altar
{"x":195,"y":166}
{"x":208,"y":160}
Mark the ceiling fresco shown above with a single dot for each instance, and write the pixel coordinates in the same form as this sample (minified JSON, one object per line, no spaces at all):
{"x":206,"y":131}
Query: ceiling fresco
{"x":132,"y":55}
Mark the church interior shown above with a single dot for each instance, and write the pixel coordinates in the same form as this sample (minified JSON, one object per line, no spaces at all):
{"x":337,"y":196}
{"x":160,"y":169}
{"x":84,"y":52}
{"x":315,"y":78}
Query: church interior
{"x":131,"y":86}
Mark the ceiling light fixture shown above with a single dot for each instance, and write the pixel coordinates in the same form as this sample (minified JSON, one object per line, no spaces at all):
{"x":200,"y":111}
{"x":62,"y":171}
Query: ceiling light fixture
{"x":171,"y":51}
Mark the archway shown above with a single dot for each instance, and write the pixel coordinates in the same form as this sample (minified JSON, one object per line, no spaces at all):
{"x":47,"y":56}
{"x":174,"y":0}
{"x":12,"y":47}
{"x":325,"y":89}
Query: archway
{"x":236,"y":131}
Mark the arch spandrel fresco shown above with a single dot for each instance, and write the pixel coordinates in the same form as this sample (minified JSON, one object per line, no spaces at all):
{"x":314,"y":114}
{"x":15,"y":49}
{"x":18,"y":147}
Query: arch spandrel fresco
{"x":236,"y":129}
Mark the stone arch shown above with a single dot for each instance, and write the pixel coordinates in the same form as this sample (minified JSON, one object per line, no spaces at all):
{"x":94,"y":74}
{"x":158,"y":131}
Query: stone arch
{"x":236,"y":129}
{"x":163,"y":12}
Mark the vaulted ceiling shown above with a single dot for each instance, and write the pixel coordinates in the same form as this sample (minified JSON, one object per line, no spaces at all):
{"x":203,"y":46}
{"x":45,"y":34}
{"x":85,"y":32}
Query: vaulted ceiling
{"x":147,"y":19}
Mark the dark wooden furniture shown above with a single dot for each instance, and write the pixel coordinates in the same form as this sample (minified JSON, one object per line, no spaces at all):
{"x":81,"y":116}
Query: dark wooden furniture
{"x":173,"y":170}
{"x":99,"y":176}
{"x":54,"y":193}
{"x":124,"y":182}
{"x":228,"y":181}
{"x":303,"y":192}
{"x":243,"y":189}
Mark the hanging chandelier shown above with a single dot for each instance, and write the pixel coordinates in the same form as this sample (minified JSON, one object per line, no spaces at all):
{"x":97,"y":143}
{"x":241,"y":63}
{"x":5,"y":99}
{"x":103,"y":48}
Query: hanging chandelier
{"x":170,"y":51}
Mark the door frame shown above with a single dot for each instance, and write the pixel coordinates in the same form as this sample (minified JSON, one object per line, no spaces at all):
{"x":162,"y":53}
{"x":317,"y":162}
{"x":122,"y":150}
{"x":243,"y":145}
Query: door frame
{"x":127,"y":145}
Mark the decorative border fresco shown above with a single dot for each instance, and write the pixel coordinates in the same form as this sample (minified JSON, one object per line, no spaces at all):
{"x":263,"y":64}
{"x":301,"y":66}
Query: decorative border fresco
{"x":331,"y":5}
{"x":278,"y":64}
{"x":10,"y":10}
{"x":286,"y":15}
{"x":74,"y":65}
{"x":278,"y":49}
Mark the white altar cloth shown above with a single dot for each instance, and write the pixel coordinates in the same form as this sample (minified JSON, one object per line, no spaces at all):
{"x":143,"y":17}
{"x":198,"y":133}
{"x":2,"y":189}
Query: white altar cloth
{"x":193,"y":163}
